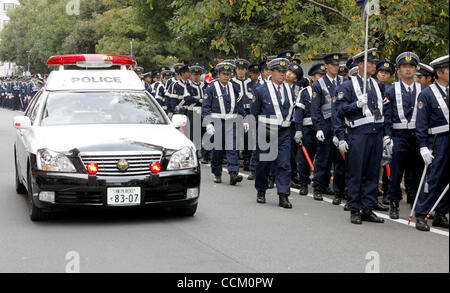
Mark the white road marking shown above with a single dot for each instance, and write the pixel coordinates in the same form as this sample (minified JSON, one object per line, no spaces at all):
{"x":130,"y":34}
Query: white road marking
{"x":386,"y":217}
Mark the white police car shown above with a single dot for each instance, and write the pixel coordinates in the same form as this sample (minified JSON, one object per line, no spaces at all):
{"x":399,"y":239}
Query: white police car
{"x":93,"y":137}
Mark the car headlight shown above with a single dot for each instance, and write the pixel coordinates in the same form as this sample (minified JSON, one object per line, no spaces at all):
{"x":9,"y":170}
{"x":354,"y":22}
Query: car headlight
{"x":48,"y":160}
{"x":183,"y":159}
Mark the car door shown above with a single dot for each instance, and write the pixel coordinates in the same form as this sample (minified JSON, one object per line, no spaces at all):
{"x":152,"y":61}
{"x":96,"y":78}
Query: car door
{"x":22,"y":141}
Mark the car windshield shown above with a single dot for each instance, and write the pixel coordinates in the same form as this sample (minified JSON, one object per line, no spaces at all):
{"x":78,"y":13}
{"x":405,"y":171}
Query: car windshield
{"x":100,"y":108}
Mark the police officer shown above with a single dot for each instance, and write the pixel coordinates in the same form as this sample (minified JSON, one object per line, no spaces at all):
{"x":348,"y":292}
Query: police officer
{"x":222,"y":105}
{"x":147,"y":77}
{"x":305,"y":133}
{"x":365,"y":119}
{"x":425,"y":74}
{"x":323,"y":92}
{"x":246,"y":94}
{"x":273,"y":106}
{"x":406,"y":156}
{"x":385,"y":72}
{"x":294,"y":78}
{"x":160,"y":88}
{"x":194,"y":101}
{"x":254,"y":72}
{"x":432,"y":131}
{"x":178,"y":92}
{"x":139,"y":71}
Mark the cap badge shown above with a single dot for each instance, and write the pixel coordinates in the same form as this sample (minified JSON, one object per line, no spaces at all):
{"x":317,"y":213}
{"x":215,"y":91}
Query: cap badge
{"x":336,"y":57}
{"x":386,"y":65}
{"x":282,"y":63}
{"x":408,"y":58}
{"x":295,"y":67}
{"x":226,"y":67}
{"x":322,"y":67}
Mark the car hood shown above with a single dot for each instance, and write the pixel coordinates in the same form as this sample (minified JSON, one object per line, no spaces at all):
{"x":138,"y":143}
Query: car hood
{"x":110,"y":138}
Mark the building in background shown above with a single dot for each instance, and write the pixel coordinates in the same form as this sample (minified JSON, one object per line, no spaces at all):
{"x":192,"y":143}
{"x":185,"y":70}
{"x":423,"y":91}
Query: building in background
{"x":6,"y":68}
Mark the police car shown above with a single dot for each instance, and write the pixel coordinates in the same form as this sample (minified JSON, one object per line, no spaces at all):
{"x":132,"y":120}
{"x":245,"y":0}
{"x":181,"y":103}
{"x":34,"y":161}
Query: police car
{"x":94,"y":137}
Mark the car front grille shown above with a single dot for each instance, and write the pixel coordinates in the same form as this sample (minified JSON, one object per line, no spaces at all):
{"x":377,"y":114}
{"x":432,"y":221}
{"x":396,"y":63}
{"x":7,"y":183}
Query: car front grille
{"x":139,"y":163}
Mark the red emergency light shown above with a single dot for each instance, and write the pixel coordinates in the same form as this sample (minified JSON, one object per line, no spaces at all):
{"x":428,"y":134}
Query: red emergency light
{"x":85,"y":60}
{"x":92,"y":168}
{"x":155,"y":167}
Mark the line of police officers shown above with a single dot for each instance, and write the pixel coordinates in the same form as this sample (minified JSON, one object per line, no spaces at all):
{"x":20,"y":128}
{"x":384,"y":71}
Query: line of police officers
{"x":401,"y":127}
{"x":17,"y":92}
{"x":323,"y":122}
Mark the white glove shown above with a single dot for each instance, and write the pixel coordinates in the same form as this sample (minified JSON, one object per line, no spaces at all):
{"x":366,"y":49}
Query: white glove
{"x":362,"y":101}
{"x":210,"y":129}
{"x":336,"y":141}
{"x":320,"y":136}
{"x":427,"y":155}
{"x":246,"y":127}
{"x":298,"y":137}
{"x":388,"y":145}
{"x":343,"y":146}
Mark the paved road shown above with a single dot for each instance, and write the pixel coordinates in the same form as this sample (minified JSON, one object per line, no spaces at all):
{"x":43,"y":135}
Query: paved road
{"x":229,"y":233}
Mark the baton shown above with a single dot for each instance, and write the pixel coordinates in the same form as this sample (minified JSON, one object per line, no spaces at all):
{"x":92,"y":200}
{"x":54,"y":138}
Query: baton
{"x":420,"y":185}
{"x":307,"y":157}
{"x":435,"y":205}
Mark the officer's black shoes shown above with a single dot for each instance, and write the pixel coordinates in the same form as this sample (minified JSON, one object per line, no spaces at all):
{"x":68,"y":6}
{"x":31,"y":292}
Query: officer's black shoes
{"x":337,"y":199}
{"x":235,"y":178}
{"x":393,"y":213}
{"x":355,"y":217}
{"x":261,"y":197}
{"x":421,"y":223}
{"x":251,"y":176}
{"x":328,"y":191}
{"x":204,"y":161}
{"x":379,"y":207}
{"x":369,"y":216}
{"x":440,"y":220}
{"x":303,"y":189}
{"x":295,"y":185}
{"x":217,"y":178}
{"x":284,"y":201}
{"x":271,"y":182}
{"x":346,"y":207}
{"x":318,"y":194}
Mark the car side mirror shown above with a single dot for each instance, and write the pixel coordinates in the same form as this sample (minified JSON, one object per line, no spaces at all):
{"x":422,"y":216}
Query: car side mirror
{"x":22,"y":122}
{"x":179,"y":120}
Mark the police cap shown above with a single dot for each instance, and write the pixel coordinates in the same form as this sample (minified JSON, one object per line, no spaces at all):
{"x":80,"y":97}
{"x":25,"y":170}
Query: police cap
{"x":288,"y":54}
{"x":425,"y":70}
{"x":407,"y":58}
{"x":441,"y":62}
{"x":254,"y":68}
{"x":297,"y":69}
{"x":242,"y":63}
{"x":386,"y":66}
{"x":332,"y":58}
{"x":225,"y":67}
{"x":371,"y":56}
{"x":197,"y":69}
{"x":278,"y":64}
{"x":318,"y":68}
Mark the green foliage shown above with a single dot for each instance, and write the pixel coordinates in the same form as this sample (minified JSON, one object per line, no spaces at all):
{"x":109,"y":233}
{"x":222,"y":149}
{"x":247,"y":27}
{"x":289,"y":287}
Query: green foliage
{"x":165,"y":32}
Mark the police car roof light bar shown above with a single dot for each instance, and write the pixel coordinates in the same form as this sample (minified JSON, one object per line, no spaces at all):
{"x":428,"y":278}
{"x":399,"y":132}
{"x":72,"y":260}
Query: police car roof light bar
{"x":91,"y":60}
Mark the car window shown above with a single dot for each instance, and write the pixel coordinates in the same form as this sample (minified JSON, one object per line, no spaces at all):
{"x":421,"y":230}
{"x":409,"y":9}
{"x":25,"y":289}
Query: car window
{"x":71,"y":108}
{"x":31,"y":106}
{"x":35,"y":109}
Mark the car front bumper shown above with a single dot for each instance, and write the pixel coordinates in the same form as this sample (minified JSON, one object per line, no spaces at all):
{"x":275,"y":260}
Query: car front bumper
{"x":167,"y":189}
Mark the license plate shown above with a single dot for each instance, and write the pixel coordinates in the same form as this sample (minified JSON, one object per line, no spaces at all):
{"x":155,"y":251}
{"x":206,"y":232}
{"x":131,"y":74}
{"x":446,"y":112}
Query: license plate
{"x":124,"y":196}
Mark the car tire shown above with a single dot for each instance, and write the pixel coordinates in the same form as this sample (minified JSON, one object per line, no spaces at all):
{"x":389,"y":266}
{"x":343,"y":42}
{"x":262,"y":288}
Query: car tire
{"x":185,"y":211}
{"x":20,"y":188}
{"x":36,"y":214}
